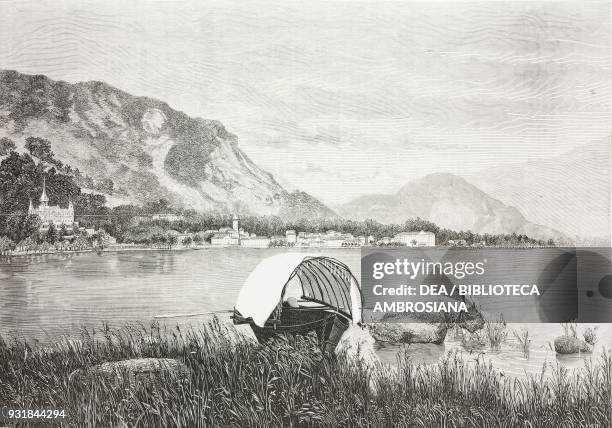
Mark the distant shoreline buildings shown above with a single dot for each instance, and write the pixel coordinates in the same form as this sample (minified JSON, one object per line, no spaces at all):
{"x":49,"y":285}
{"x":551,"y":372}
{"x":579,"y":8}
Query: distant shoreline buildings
{"x":237,"y":236}
{"x":330,"y":238}
{"x":416,"y":239}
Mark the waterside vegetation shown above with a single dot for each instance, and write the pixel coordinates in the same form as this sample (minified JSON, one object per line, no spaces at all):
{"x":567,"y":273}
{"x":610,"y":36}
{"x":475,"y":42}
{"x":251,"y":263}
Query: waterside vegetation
{"x":232,"y":381}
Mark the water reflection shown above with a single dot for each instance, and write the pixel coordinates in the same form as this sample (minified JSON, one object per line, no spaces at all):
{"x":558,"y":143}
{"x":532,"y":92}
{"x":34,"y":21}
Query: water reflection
{"x":43,"y":295}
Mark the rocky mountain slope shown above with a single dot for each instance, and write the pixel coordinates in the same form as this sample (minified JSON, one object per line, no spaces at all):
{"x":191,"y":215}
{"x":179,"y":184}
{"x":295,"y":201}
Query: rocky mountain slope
{"x":147,"y":149}
{"x":570,"y":191}
{"x":449,"y":201}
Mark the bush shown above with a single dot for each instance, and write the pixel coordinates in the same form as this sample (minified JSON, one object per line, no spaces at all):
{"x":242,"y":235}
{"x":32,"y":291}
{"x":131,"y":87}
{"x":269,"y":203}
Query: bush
{"x":6,"y":146}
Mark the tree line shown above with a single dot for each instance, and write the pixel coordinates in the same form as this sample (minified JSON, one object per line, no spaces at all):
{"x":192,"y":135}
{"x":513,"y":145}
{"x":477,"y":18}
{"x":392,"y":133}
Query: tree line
{"x":21,"y":179}
{"x":134,"y":224}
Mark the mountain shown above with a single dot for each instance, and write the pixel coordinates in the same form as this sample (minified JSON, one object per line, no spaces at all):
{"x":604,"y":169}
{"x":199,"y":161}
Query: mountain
{"x":570,"y":191}
{"x":449,"y":201}
{"x":148,"y":149}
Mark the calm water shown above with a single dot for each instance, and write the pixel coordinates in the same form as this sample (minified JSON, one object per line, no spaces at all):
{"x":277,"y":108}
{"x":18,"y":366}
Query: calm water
{"x":43,"y":296}
{"x":47,"y":295}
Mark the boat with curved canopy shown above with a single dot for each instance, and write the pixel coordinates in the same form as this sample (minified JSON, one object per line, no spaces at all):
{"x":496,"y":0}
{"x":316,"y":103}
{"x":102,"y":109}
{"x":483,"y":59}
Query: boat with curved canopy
{"x":299,"y":293}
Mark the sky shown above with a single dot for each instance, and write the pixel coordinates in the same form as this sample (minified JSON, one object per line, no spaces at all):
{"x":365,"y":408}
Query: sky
{"x":344,"y":98}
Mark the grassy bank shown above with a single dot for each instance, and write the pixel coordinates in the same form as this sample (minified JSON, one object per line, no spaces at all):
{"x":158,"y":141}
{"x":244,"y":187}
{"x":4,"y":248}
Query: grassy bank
{"x":234,"y":382}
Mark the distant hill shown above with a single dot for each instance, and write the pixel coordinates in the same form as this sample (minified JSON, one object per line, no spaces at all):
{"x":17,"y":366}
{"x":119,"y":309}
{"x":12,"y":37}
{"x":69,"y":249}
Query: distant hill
{"x":570,"y":191}
{"x":449,"y":201}
{"x":149,"y":150}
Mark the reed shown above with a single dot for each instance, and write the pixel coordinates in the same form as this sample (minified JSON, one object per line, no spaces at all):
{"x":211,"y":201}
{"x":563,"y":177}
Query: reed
{"x":496,"y":332}
{"x":524,"y":342}
{"x":570,"y":329}
{"x":590,"y":335}
{"x":455,"y":331}
{"x":473,"y":341}
{"x":233,"y":381}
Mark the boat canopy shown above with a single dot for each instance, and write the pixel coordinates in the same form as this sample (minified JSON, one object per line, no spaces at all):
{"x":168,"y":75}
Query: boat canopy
{"x":322,"y":280}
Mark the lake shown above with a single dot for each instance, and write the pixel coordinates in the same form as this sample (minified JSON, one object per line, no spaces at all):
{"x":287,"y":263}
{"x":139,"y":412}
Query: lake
{"x":43,"y":296}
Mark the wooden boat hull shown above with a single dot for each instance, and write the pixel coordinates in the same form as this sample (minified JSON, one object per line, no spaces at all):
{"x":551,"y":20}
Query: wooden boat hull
{"x":327,"y":325}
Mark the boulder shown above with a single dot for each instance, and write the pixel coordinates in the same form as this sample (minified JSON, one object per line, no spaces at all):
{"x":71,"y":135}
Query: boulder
{"x":424,"y":327}
{"x":571,"y":345}
{"x":357,"y":343}
{"x":397,"y":332}
{"x":472,"y":324}
{"x":472,"y":320}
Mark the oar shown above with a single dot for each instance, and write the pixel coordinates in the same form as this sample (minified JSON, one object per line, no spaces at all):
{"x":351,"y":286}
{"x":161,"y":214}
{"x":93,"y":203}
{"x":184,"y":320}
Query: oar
{"x":224,"y":311}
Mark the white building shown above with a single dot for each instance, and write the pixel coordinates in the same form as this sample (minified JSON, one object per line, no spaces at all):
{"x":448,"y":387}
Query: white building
{"x":167,"y":217}
{"x":330,"y":238}
{"x":236,"y":223}
{"x":224,"y":239}
{"x":334,"y":242}
{"x":51,"y":213}
{"x":255,"y":242}
{"x":291,"y":236}
{"x":416,"y":239}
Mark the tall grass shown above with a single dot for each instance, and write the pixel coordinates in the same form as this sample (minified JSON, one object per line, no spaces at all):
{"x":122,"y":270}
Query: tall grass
{"x":235,"y":382}
{"x":496,"y":332}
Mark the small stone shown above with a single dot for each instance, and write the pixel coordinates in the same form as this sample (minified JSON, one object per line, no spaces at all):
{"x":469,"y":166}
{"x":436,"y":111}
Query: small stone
{"x":142,"y":369}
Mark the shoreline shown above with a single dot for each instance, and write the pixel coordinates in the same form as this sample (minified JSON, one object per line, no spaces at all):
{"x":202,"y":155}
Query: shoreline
{"x":111,"y":249}
{"x":94,"y":250}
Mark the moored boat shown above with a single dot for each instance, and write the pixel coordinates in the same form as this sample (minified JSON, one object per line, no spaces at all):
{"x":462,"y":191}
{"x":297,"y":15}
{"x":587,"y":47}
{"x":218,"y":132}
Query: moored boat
{"x":297,"y":293}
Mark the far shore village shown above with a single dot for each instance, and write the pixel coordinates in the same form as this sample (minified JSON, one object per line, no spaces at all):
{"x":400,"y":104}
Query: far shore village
{"x":237,"y":236}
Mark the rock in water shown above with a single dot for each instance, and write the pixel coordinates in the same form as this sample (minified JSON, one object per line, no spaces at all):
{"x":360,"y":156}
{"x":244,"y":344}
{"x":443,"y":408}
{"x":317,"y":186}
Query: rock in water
{"x":424,"y":327}
{"x":409,"y":332}
{"x":571,"y":345}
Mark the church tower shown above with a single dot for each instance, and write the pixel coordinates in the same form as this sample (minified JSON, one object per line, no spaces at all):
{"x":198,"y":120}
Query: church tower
{"x":236,"y":223}
{"x":236,"y":227}
{"x":44,"y":199}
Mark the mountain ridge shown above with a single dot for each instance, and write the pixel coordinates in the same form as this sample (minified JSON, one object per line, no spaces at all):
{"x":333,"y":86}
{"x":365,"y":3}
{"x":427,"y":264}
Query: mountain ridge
{"x":449,"y":201}
{"x":572,"y":191}
{"x":147,"y":148}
